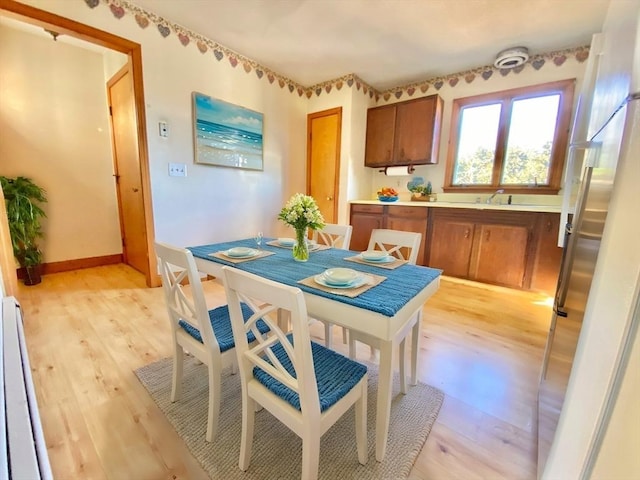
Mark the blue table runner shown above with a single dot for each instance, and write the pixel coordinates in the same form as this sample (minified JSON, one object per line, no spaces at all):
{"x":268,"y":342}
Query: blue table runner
{"x":387,"y":298}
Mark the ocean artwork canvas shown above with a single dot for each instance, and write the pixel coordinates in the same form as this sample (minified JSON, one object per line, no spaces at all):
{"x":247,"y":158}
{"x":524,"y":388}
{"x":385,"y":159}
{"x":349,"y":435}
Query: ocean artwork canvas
{"x":226,"y":135}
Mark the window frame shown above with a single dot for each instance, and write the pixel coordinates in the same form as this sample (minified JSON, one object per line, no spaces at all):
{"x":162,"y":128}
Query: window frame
{"x":506,"y":97}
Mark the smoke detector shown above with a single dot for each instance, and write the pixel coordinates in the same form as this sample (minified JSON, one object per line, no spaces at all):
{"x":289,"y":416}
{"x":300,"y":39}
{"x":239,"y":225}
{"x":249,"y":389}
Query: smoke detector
{"x":512,"y":57}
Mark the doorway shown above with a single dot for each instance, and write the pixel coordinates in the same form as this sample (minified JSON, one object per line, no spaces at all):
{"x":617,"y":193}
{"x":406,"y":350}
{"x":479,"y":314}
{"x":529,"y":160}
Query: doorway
{"x":324,"y":130}
{"x":146,"y":261}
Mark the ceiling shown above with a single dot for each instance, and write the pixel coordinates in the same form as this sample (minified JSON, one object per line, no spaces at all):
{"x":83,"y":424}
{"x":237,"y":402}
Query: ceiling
{"x":387,"y":43}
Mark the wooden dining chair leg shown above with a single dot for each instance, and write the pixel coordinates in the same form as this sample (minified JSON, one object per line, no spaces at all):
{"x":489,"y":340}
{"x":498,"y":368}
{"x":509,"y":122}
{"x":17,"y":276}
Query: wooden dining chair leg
{"x":361,"y":426}
{"x":215,"y":391}
{"x":415,"y":348}
{"x":311,"y":455}
{"x":402,"y":362}
{"x":328,"y":334}
{"x":249,"y":406}
{"x":178,"y":360}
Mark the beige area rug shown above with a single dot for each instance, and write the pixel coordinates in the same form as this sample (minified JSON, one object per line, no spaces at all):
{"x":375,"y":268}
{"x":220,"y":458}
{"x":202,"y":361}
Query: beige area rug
{"x":277,"y":452}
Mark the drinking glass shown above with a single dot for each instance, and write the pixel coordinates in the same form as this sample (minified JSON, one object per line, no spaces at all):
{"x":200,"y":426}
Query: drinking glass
{"x":258,"y":239}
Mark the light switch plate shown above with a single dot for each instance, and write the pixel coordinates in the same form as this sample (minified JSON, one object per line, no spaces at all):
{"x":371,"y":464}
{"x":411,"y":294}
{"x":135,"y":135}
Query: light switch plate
{"x":177,"y":170}
{"x":163,"y":129}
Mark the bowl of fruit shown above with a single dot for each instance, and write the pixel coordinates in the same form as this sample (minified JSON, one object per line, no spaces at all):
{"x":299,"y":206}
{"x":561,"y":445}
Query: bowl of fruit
{"x":387,"y":194}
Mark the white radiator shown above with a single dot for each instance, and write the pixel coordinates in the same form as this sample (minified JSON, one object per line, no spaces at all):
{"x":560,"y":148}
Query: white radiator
{"x":23,"y":453}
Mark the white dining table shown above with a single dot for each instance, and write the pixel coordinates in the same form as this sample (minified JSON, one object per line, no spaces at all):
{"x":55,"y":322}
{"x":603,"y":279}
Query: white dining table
{"x":384,"y":312}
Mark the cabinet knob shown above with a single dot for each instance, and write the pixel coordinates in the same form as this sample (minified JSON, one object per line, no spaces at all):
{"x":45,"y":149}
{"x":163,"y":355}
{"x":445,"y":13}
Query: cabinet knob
{"x":487,"y":235}
{"x":548,"y":225}
{"x":466,"y":233}
{"x":135,"y":190}
{"x":329,"y":199}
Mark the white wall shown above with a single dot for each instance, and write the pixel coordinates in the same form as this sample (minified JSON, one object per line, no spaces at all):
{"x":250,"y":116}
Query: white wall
{"x":211,"y":203}
{"x":54,"y":128}
{"x":355,"y":178}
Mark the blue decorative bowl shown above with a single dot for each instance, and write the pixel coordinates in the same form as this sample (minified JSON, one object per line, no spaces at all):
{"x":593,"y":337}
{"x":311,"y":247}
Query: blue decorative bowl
{"x":387,"y":199}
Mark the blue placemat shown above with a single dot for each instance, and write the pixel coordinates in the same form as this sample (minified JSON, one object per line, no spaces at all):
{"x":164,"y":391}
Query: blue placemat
{"x":387,"y":298}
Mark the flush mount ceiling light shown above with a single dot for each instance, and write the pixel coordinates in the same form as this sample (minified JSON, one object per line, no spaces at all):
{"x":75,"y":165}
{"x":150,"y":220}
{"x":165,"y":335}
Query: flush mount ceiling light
{"x":511,"y":57}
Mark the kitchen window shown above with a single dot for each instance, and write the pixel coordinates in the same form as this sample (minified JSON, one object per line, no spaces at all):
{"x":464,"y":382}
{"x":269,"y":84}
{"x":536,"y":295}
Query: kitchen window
{"x":515,"y":140}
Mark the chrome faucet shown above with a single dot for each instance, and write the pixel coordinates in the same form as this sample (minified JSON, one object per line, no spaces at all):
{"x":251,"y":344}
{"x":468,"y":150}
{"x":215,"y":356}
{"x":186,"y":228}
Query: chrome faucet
{"x":494,"y":194}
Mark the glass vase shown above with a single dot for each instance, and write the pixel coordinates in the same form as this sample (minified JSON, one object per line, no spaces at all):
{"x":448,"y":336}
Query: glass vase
{"x":301,"y":247}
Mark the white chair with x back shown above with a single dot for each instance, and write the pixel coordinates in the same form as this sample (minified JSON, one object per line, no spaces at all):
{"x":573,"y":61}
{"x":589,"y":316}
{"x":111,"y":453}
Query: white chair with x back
{"x":404,"y":246}
{"x":205,"y":334}
{"x":336,"y":236}
{"x":305,"y":385}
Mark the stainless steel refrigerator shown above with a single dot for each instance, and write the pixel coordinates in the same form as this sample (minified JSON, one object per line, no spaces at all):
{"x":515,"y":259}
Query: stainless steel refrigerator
{"x":601,"y":126}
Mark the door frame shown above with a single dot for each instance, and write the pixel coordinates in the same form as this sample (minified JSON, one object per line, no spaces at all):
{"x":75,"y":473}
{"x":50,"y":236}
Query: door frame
{"x":133,"y":50}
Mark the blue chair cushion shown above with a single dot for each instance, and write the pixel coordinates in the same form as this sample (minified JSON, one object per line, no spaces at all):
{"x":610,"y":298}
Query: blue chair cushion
{"x":221,"y":324}
{"x":336,"y":375}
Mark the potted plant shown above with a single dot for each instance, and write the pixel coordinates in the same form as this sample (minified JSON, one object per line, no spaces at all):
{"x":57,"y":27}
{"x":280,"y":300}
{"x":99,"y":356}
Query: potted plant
{"x":421,"y":192}
{"x":23,"y":199}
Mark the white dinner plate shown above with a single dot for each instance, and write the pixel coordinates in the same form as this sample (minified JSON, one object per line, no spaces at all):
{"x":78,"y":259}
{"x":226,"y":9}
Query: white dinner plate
{"x":241,"y":252}
{"x":358,"y":282}
{"x":286,"y":242}
{"x":340,"y":276}
{"x":387,"y":259}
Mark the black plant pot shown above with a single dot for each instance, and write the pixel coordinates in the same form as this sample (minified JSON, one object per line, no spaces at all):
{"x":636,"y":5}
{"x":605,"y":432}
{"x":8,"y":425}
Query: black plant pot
{"x":33,"y":275}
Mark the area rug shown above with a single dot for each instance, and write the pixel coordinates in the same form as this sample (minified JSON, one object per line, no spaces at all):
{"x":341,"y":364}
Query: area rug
{"x":277,"y":452}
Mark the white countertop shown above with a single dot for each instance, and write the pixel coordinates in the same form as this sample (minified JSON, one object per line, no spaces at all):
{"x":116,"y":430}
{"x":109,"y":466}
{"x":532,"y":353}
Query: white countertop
{"x":474,"y":206}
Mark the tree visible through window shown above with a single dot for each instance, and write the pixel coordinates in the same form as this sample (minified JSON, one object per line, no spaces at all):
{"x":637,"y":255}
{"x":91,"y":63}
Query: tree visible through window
{"x":514,"y":139}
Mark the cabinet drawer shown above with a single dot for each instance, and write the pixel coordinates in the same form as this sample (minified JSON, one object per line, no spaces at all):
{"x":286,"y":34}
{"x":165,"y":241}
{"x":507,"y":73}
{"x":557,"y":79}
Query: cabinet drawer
{"x":360,"y":208}
{"x":409,"y":212}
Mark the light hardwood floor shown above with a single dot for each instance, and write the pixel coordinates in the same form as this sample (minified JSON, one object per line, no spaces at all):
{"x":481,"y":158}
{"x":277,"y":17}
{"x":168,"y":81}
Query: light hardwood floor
{"x":87,"y":330}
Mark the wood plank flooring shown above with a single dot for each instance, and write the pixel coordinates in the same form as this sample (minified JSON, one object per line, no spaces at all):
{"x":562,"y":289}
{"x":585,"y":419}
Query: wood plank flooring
{"x":87,"y":330}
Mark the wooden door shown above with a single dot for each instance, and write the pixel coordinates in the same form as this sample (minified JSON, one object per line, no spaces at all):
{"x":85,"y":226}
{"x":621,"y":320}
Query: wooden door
{"x":323,"y":160}
{"x":501,"y":255}
{"x":450,"y":246}
{"x":127,"y":168}
{"x":379,"y":139}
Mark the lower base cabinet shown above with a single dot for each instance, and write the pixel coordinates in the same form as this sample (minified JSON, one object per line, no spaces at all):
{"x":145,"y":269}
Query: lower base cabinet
{"x":501,"y":247}
{"x":365,"y":218}
{"x":508,"y":248}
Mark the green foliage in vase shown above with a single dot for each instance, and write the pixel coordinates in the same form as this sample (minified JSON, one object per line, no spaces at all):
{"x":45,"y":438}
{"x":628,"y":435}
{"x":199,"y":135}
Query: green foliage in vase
{"x":301,"y":211}
{"x":23,"y":199}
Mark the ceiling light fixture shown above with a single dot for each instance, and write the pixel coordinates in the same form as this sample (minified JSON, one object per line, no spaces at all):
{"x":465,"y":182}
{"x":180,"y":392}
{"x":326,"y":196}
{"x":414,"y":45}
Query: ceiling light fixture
{"x":511,"y":57}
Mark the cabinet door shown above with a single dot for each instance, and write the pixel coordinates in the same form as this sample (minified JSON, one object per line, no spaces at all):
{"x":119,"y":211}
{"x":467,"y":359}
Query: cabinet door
{"x":364,"y":218}
{"x":380,"y":132}
{"x":417,"y":131}
{"x":450,"y":249}
{"x":548,"y":254}
{"x":409,"y":219}
{"x":500,"y":255}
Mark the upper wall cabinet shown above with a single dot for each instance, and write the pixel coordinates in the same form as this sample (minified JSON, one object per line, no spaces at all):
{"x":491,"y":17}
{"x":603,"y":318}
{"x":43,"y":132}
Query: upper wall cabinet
{"x":404,"y":133}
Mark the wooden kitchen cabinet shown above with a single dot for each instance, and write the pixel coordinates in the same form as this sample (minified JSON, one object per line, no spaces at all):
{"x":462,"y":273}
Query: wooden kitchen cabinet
{"x":548,"y":254}
{"x":404,"y":133}
{"x":448,"y":232}
{"x":381,"y":122}
{"x":501,"y":254}
{"x":490,"y":246}
{"x":364,"y":218}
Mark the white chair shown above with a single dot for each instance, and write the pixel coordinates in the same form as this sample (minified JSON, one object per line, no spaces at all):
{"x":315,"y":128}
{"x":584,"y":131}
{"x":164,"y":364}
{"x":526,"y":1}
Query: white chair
{"x":305,"y":385}
{"x":405,"y":246}
{"x":206,"y":334}
{"x":336,"y":236}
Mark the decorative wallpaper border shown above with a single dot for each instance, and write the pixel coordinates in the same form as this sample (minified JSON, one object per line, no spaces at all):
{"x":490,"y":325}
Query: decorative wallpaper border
{"x":166,"y":28}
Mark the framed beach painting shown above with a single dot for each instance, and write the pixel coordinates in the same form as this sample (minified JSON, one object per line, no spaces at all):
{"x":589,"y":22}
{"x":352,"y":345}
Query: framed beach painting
{"x":226,"y":135}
